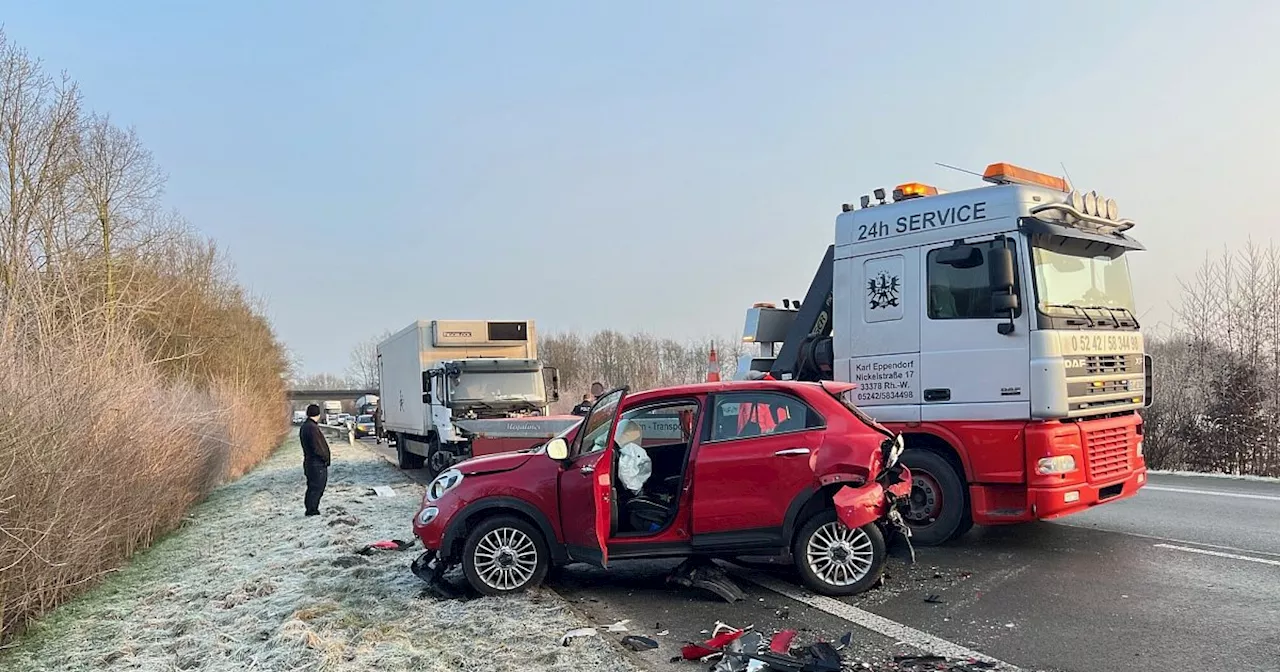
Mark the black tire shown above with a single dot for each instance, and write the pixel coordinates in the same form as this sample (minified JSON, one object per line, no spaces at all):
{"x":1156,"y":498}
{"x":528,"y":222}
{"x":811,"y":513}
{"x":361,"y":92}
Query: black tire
{"x":820,"y":527}
{"x":521,"y":573}
{"x":406,"y":459}
{"x":939,"y":507}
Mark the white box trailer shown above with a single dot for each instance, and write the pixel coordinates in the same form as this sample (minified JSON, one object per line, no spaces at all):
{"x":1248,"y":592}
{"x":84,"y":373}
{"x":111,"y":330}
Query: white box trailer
{"x":442,"y":379}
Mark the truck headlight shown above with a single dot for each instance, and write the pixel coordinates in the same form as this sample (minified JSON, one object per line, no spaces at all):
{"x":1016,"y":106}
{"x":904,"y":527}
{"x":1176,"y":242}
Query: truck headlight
{"x":443,"y":483}
{"x":1058,"y":464}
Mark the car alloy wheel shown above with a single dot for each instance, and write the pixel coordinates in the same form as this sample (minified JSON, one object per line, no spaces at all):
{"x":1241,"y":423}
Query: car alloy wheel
{"x":838,"y":555}
{"x":505,"y":559}
{"x":833,"y":559}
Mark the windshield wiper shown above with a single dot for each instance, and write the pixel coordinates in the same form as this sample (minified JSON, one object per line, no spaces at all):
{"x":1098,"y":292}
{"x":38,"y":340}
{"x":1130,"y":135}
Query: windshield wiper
{"x":1076,"y":308}
{"x":1112,"y":312}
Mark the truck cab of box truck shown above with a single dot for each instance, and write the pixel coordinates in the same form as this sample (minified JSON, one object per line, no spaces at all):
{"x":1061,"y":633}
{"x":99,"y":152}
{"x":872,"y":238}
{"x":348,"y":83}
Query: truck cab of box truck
{"x":446,"y":382}
{"x":994,"y":327}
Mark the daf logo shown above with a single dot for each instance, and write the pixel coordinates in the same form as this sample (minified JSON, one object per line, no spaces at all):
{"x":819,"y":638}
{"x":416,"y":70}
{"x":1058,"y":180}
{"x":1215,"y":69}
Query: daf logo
{"x":1073,"y":363}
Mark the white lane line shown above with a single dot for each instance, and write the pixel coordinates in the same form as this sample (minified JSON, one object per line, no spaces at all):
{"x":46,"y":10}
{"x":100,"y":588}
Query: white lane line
{"x":1219,"y":554}
{"x":860,"y":617}
{"x":1216,"y":493}
{"x":1092,"y":528}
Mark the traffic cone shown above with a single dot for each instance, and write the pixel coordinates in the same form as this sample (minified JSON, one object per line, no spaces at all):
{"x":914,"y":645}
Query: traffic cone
{"x":713,"y":366}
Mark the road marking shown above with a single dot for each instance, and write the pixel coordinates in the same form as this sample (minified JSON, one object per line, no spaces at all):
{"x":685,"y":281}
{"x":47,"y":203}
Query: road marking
{"x":1218,"y":493}
{"x":1094,"y":528}
{"x":1219,"y":554}
{"x":903,"y":633}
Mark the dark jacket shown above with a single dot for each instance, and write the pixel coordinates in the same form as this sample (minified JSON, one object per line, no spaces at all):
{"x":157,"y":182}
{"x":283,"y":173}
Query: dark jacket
{"x":315,"y":448}
{"x":582,"y":408}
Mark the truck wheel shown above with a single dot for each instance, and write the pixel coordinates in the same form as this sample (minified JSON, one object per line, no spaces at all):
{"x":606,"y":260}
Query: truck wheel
{"x":939,"y":510}
{"x":837,"y":560}
{"x":406,"y":459}
{"x":438,"y":461}
{"x":504,"y":555}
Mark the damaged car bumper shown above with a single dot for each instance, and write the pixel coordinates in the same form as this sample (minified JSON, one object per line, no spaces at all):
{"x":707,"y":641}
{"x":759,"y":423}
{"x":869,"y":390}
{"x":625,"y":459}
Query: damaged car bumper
{"x":858,"y":506}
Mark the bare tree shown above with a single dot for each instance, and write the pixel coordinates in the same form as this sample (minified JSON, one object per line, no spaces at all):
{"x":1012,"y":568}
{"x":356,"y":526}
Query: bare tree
{"x":363,"y":369}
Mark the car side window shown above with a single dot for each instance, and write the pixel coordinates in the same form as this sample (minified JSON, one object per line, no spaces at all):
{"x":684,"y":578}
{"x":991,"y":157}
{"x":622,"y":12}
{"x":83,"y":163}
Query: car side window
{"x":668,"y":423}
{"x":744,"y":415}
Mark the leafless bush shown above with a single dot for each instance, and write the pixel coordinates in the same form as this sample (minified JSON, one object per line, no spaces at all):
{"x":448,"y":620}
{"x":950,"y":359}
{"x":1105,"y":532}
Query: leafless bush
{"x":1217,"y":377}
{"x":137,"y":374}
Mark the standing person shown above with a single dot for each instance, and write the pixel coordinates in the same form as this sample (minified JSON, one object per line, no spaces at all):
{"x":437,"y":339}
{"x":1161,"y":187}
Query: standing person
{"x":377,"y":424}
{"x":583,"y":407}
{"x":315,"y":459}
{"x":597,"y":389}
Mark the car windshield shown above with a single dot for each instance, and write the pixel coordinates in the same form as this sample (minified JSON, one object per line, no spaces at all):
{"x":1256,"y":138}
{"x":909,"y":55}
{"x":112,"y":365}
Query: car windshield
{"x":498,"y":386}
{"x":365,"y":419}
{"x":1065,"y":280}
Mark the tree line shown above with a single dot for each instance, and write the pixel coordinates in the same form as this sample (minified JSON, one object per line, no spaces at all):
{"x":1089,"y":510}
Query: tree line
{"x":1217,"y":372}
{"x":138,"y":374}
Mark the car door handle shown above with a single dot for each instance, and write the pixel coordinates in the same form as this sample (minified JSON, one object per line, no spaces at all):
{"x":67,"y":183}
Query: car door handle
{"x":790,"y":452}
{"x":587,"y":471}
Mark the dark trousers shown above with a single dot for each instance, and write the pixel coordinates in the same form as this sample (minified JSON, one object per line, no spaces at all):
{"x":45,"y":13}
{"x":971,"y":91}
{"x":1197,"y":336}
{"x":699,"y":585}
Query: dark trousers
{"x":317,"y":477}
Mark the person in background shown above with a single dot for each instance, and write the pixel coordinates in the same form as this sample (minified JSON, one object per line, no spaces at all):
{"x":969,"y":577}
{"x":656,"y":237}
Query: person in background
{"x":597,"y":389}
{"x":584,"y":407}
{"x":315,"y":460}
{"x":377,"y":424}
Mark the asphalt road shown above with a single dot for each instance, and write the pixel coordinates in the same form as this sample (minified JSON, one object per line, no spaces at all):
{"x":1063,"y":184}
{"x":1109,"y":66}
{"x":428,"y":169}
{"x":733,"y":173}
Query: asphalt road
{"x":1183,"y":576}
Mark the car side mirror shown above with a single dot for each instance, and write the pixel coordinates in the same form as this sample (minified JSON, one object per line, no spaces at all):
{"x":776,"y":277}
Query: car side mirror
{"x":557,"y":449}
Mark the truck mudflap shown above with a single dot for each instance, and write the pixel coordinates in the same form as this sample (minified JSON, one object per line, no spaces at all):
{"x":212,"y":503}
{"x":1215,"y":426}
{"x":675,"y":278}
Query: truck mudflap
{"x":878,"y":501}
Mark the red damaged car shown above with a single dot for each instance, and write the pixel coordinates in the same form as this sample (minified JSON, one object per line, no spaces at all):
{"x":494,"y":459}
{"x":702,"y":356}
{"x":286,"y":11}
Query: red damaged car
{"x":741,"y":468}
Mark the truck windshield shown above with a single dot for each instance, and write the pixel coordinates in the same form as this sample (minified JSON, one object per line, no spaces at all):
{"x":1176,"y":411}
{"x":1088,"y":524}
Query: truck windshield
{"x":1065,"y":280}
{"x":498,"y":386}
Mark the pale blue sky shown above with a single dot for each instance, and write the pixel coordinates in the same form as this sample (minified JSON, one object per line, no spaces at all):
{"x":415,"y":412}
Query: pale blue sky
{"x":655,"y":165}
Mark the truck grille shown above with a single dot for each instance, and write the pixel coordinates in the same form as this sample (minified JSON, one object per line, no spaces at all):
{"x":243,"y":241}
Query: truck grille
{"x":1101,"y":365}
{"x":1108,"y":451}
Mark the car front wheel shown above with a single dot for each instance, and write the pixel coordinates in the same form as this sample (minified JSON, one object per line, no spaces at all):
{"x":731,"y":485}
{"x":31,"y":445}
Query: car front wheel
{"x":504,"y":555}
{"x":837,"y":560}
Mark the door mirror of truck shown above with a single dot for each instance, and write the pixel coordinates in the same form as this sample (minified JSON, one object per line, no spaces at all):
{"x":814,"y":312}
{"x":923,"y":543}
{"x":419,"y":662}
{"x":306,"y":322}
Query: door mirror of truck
{"x":1000,"y":263}
{"x":557,"y":449}
{"x":426,"y":382}
{"x":960,"y":256}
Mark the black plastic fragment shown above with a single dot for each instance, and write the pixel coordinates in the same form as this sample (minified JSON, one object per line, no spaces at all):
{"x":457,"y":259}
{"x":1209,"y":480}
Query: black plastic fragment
{"x":638,"y":643}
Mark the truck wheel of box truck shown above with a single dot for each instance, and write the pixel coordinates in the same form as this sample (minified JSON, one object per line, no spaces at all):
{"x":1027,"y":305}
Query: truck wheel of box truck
{"x":939,"y":509}
{"x":406,"y":459}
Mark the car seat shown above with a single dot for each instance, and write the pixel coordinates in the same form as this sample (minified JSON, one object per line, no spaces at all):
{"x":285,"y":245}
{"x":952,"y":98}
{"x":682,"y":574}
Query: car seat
{"x":646,"y":511}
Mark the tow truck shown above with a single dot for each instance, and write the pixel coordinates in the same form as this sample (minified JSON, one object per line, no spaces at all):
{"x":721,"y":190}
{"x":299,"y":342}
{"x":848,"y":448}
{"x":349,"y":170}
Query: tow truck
{"x":995,"y":328}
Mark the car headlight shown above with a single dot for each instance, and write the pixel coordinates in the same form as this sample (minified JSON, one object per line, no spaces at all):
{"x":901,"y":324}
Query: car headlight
{"x":427,"y":515}
{"x":443,"y":483}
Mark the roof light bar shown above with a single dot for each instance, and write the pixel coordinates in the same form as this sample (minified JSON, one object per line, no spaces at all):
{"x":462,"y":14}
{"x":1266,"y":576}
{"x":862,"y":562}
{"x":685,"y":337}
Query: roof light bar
{"x":903,"y":192}
{"x":1007,"y":173}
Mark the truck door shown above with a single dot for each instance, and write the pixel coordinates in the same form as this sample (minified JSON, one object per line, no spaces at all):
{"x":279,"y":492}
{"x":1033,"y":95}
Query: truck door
{"x":973,"y":357}
{"x":586,"y":487}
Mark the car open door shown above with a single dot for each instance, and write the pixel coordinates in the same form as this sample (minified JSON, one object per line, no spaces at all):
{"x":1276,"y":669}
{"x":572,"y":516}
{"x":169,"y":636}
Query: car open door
{"x":586,"y":526}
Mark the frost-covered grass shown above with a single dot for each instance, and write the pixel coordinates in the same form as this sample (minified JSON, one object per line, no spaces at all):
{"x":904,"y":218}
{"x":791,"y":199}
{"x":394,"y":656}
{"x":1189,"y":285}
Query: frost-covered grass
{"x":248,"y":583}
{"x":1235,"y":477}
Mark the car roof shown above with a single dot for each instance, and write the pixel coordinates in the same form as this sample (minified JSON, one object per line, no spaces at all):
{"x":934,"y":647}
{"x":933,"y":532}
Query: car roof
{"x":697,"y":389}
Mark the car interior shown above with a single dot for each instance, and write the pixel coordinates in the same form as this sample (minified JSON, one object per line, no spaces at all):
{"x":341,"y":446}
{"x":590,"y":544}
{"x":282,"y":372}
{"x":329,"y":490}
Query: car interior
{"x":665,"y":436}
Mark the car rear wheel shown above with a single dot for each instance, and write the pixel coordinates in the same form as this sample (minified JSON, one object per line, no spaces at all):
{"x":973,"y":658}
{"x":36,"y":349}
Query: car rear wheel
{"x":504,"y":555}
{"x":834,"y":559}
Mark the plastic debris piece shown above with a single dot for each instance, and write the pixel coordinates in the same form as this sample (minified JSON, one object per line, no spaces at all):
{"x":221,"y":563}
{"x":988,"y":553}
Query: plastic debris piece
{"x":704,"y":574}
{"x":825,"y":658}
{"x":712,"y":646}
{"x":933,"y":598}
{"x":845,"y":640}
{"x":383,"y":491}
{"x":386,"y":545}
{"x":576,"y":633}
{"x":663,"y":633}
{"x":781,"y":642}
{"x":620,"y":626}
{"x":638,"y":643}
{"x":783,"y":612}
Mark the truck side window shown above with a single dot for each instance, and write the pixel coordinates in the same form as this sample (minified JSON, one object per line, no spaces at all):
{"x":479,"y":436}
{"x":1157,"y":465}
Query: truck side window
{"x":748,"y":414}
{"x":962,"y":291}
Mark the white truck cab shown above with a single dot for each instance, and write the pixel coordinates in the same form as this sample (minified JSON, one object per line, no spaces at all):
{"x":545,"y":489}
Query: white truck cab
{"x":997,"y":328}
